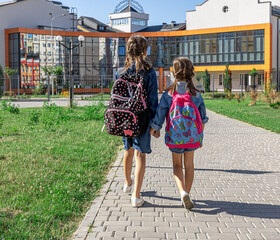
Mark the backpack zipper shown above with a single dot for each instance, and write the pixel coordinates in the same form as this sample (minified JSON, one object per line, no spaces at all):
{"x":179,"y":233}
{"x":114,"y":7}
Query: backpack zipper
{"x":119,"y":110}
{"x":118,"y":97}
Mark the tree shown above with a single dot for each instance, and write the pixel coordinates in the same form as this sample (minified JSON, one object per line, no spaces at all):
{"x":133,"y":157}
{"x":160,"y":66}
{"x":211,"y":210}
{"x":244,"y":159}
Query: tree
{"x":10,"y":72}
{"x":206,"y":80}
{"x":198,"y":76}
{"x":58,"y":73}
{"x":47,"y":70}
{"x":253,"y":74}
{"x":227,"y":81}
{"x":253,"y":95}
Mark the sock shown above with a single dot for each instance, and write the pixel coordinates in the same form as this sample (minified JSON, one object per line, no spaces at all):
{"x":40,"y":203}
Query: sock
{"x":183,"y":193}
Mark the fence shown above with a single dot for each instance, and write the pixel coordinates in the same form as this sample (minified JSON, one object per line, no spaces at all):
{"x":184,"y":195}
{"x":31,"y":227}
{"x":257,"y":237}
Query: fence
{"x":275,"y":80}
{"x":56,"y":86}
{"x":86,"y":87}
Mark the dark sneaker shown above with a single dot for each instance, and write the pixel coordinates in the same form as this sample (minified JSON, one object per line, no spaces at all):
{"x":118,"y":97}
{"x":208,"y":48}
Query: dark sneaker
{"x":187,"y":202}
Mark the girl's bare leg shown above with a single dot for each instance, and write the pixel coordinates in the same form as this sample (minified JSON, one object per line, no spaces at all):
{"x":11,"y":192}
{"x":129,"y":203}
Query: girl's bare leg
{"x":140,"y":165}
{"x":189,"y":170}
{"x":127,"y":165}
{"x":178,"y":170}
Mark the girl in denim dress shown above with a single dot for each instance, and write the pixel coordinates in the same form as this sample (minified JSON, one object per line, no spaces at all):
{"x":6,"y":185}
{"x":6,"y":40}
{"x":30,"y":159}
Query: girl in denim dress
{"x":183,"y":72}
{"x":136,"y":52}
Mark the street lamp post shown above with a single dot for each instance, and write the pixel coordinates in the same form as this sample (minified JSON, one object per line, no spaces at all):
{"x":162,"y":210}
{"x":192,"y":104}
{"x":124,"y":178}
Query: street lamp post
{"x":70,"y":48}
{"x":52,"y":18}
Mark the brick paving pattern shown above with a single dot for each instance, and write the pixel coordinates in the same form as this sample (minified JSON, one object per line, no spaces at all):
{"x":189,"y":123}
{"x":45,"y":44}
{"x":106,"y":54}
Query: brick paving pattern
{"x":236,"y":191}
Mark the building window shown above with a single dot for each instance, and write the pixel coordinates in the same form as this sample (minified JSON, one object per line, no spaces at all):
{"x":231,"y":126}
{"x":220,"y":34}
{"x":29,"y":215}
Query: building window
{"x":139,"y":22}
{"x":121,"y":21}
{"x":101,"y":28}
{"x":121,"y":51}
{"x":221,"y":79}
{"x":225,"y":9}
{"x":234,"y":48}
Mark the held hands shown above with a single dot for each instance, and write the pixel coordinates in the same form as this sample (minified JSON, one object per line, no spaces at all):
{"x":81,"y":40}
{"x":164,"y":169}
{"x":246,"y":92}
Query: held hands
{"x":154,"y":133}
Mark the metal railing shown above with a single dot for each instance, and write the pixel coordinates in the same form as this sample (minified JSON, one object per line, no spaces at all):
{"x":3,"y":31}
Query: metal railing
{"x":89,"y":87}
{"x":20,"y":88}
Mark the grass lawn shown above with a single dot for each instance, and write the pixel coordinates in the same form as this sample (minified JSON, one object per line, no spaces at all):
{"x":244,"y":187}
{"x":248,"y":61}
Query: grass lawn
{"x":53,"y":162}
{"x":260,"y":115}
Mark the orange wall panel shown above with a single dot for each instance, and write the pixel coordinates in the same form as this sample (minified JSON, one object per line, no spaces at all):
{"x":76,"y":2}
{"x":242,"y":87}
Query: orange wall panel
{"x":146,"y":34}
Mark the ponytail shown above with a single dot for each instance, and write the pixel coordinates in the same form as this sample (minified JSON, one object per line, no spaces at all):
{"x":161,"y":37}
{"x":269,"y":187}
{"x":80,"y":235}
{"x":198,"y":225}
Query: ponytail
{"x":136,"y":49}
{"x":183,"y":71}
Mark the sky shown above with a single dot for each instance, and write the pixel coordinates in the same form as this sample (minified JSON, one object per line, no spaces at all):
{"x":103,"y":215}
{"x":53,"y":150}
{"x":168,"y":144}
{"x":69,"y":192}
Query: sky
{"x":160,"y":10}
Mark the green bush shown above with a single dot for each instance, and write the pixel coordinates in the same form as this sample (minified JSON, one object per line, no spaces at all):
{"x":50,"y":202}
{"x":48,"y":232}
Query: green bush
{"x":39,"y":90}
{"x":3,"y":105}
{"x":13,"y":108}
{"x":94,"y":112}
{"x":25,"y":96}
{"x":9,"y":107}
{"x":275,"y":105}
{"x":216,"y":95}
{"x":34,"y":118}
{"x":52,"y":116}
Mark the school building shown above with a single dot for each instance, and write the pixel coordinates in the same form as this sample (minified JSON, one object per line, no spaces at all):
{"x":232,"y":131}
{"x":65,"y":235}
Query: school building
{"x":242,"y":34}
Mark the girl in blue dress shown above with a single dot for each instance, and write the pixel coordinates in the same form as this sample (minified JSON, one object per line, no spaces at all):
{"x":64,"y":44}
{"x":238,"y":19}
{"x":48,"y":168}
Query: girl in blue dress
{"x":136,"y":52}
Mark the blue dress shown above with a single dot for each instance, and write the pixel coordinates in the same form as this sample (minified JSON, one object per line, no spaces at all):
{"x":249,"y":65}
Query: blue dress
{"x":142,"y":143}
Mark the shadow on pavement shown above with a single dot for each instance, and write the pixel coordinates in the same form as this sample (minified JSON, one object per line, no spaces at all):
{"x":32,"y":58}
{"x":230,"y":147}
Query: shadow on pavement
{"x":236,"y":208}
{"x":235,"y":171}
{"x":153,"y":194}
{"x":209,"y":207}
{"x":222,"y":170}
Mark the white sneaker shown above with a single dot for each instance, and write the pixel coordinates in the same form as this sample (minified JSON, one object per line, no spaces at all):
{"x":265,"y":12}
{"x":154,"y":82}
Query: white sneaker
{"x":127,"y":189}
{"x":137,"y":202}
{"x":187,"y":202}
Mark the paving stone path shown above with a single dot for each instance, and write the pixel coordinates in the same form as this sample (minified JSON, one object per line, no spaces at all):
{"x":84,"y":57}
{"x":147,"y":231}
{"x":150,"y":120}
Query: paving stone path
{"x":236,"y":191}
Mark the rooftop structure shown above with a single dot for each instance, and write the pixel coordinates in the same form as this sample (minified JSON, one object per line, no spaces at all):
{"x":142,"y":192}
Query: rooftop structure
{"x":90,"y":24}
{"x":129,"y":5}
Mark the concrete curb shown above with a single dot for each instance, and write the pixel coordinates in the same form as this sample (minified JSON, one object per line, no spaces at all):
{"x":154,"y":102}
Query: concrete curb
{"x":90,"y":216}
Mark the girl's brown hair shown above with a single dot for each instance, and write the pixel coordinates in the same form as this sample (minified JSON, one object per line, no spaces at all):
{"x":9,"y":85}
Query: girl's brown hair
{"x":136,"y":49}
{"x":183,"y":71}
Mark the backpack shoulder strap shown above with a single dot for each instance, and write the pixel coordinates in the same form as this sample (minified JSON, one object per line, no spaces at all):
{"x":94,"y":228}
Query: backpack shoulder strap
{"x":143,"y":73}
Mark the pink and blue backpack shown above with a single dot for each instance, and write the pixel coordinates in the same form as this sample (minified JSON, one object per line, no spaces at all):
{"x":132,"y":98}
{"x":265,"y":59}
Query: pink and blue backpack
{"x":183,"y":123}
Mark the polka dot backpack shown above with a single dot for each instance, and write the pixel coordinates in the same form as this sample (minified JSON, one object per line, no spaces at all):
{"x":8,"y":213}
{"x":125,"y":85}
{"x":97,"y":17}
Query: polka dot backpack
{"x":128,"y":113}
